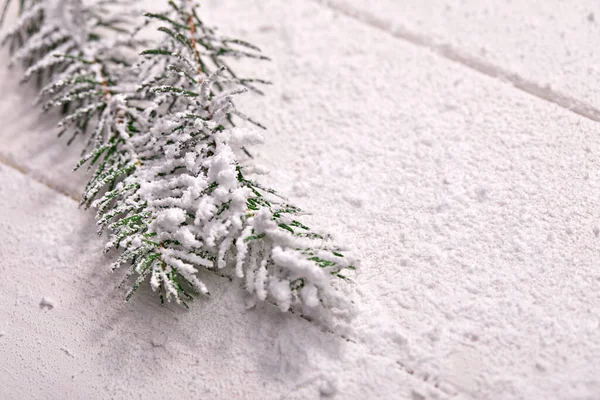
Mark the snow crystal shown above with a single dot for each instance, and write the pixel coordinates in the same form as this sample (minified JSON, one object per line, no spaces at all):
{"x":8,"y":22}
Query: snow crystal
{"x":185,"y":236}
{"x":309,"y":295}
{"x":261,"y":280}
{"x":281,"y":292}
{"x":170,"y":219}
{"x":300,"y":266}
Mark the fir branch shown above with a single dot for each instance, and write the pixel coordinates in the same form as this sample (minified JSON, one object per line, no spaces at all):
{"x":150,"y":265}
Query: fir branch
{"x":166,"y":180}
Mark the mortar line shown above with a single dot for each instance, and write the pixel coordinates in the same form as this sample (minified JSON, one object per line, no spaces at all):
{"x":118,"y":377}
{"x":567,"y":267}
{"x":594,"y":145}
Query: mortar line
{"x":451,"y":53}
{"x":11,"y":163}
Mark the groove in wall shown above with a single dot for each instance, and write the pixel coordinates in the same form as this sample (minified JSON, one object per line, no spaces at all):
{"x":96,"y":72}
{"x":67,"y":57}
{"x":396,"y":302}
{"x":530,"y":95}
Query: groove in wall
{"x":11,"y":163}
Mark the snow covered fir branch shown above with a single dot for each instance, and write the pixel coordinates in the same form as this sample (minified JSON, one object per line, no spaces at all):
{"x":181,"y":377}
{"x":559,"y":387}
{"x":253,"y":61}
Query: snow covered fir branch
{"x":164,"y":150}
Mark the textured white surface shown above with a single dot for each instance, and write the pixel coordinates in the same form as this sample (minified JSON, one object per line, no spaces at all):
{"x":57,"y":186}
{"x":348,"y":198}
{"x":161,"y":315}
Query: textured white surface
{"x":473,"y":205}
{"x":549,"y":46}
{"x":92,"y":345}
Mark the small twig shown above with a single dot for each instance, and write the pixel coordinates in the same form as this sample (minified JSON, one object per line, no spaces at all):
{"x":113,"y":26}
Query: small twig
{"x":192,"y":27}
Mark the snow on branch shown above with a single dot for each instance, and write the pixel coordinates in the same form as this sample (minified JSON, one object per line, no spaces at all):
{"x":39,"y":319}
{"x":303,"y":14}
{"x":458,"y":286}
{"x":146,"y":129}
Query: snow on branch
{"x":163,"y":144}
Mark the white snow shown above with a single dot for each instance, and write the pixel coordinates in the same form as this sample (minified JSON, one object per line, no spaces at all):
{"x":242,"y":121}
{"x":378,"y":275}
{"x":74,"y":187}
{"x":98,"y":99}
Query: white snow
{"x":171,"y":219}
{"x":472,"y":206}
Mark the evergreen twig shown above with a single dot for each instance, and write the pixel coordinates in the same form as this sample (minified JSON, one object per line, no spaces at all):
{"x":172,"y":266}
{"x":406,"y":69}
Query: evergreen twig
{"x":166,"y":181}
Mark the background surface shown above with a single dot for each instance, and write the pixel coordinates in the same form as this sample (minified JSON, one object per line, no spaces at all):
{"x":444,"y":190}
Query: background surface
{"x":454,"y":145}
